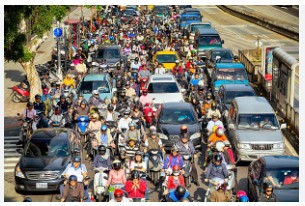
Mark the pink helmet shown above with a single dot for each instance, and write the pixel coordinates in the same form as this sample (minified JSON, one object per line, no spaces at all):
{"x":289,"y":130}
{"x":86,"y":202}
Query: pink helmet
{"x":241,"y":193}
{"x":142,"y":47}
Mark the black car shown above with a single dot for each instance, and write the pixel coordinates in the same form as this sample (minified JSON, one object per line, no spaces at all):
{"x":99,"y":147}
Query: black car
{"x":111,"y":53}
{"x":44,"y":158}
{"x":169,"y":118}
{"x":278,"y":168}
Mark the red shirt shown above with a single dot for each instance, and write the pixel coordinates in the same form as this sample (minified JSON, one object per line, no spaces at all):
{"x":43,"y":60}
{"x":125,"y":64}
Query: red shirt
{"x":171,"y":182}
{"x":136,"y":192}
{"x":289,"y":180}
{"x":188,"y":66}
{"x":180,"y":70}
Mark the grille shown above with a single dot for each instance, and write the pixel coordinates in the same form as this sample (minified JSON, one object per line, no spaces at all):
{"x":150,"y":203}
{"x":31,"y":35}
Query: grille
{"x":173,"y":137}
{"x":262,"y":146}
{"x":44,"y":175}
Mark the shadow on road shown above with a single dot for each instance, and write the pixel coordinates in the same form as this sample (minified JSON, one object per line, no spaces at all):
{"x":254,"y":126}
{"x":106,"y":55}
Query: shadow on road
{"x":14,"y":75}
{"x":199,"y":194}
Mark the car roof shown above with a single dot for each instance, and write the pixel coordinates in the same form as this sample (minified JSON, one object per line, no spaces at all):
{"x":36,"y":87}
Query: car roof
{"x":177,"y":105}
{"x":207,"y":31}
{"x":44,"y":131}
{"x":280,"y":162}
{"x":253,"y":105}
{"x":162,"y":78}
{"x":237,"y":87}
{"x":109,"y":46}
{"x":221,"y":49}
{"x":190,"y":10}
{"x":230,"y":65}
{"x":166,"y":52}
{"x":203,"y":23}
{"x":96,"y":77}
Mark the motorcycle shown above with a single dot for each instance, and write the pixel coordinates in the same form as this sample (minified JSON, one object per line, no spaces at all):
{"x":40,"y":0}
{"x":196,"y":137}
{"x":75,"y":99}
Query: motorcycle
{"x":154,"y":165}
{"x":187,"y":159}
{"x":26,"y":129}
{"x":100,"y":179}
{"x":149,"y":116}
{"x":82,"y":124}
{"x":20,"y":93}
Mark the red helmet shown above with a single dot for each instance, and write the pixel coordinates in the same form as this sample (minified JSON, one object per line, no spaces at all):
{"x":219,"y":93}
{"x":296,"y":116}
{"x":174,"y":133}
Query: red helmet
{"x":176,"y":168}
{"x":118,"y":192}
{"x":142,"y":47}
{"x":241,"y":193}
{"x":145,"y":91}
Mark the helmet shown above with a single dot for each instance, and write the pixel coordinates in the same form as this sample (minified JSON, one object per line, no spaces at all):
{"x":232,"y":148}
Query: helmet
{"x":145,"y":91}
{"x":243,"y":199}
{"x":213,"y":106}
{"x":135,"y":174}
{"x":45,"y":91}
{"x":235,"y":57}
{"x":110,"y":107}
{"x":132,"y":139}
{"x":139,"y":153}
{"x":136,"y":59}
{"x":177,"y":61}
{"x":267,"y":185}
{"x":37,"y":96}
{"x":81,"y":94}
{"x":241,"y":193}
{"x":94,"y":92}
{"x":116,"y":164}
{"x":102,"y":150}
{"x":62,"y":96}
{"x":217,"y":158}
{"x":201,"y":88}
{"x":131,"y":124}
{"x":184,"y":135}
{"x":180,"y":191}
{"x":95,"y":116}
{"x":219,"y":146}
{"x":127,"y":112}
{"x":174,"y":148}
{"x":76,"y":159}
{"x":219,"y":131}
{"x":176,"y":170}
{"x":29,"y":104}
{"x":114,"y":99}
{"x":104,"y":127}
{"x":72,"y":178}
{"x":209,"y":94}
{"x":27,"y":199}
{"x":118,"y":192}
{"x":183,"y":129}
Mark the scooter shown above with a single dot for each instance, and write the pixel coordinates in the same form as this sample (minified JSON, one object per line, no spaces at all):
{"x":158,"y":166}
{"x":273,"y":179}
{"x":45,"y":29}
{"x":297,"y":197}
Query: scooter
{"x":148,"y":115}
{"x":20,"y":93}
{"x":154,"y":165}
{"x":100,"y":179}
{"x":187,"y":159}
{"x":82,"y":124}
{"x":26,"y":129}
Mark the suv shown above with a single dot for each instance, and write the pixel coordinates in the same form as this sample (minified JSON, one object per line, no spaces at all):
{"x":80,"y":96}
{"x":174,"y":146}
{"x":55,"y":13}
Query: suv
{"x":100,"y":82}
{"x":164,"y":88}
{"x":170,"y":116}
{"x":254,"y":129}
{"x":111,"y":53}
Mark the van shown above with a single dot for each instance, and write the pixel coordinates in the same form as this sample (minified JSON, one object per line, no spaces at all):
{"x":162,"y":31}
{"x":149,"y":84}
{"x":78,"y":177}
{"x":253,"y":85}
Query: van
{"x":253,"y":128}
{"x":207,"y":38}
{"x":192,"y":27}
{"x":228,"y":73}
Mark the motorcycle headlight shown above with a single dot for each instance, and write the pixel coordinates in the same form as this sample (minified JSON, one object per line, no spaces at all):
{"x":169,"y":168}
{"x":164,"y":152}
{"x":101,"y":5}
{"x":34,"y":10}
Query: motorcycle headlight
{"x":244,"y":146}
{"x":279,"y":146}
{"x":18,"y":172}
{"x":162,"y":136}
{"x":195,"y":135}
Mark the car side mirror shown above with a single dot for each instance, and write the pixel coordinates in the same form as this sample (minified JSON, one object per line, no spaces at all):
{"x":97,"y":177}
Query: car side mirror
{"x":283,"y":126}
{"x":231,"y":126}
{"x":222,"y":41}
{"x":19,"y":150}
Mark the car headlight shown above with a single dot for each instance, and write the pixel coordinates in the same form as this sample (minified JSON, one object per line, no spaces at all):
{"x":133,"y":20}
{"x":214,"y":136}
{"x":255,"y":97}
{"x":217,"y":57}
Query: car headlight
{"x":18,"y":172}
{"x":244,"y":146}
{"x":162,"y":136}
{"x":279,"y":146}
{"x":195,"y":135}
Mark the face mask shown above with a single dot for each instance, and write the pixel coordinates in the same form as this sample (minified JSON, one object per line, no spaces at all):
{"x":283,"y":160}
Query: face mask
{"x":126,"y":116}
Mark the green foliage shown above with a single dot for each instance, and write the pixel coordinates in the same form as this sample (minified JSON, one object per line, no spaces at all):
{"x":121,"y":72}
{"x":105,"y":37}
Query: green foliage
{"x":60,"y":11}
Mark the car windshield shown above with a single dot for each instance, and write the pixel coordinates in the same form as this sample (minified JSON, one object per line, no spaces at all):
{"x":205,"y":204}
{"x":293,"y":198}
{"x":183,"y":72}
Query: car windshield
{"x":48,"y":144}
{"x":166,"y":58}
{"x":195,"y":27}
{"x":257,"y":121}
{"x":88,"y":86}
{"x":283,"y":178}
{"x":108,"y":54}
{"x":175,"y":116}
{"x":190,"y":18}
{"x":231,"y":74}
{"x":224,"y":54}
{"x":209,"y":40}
{"x":163,"y":87}
{"x":230,"y":95}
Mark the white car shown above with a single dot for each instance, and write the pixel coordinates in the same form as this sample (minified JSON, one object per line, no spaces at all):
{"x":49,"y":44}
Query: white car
{"x":164,"y":88}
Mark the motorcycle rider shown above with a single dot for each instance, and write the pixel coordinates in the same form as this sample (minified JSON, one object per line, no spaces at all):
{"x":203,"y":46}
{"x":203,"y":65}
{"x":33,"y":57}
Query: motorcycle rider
{"x":81,"y":68}
{"x":187,"y":147}
{"x":73,"y":191}
{"x":268,"y":194}
{"x":135,"y":65}
{"x":30,"y":113}
{"x":82,"y":110}
{"x":40,"y":106}
{"x":130,"y":92}
{"x":102,"y":159}
{"x":173,"y":159}
{"x":68,"y":81}
{"x":132,"y":132}
{"x":213,"y":110}
{"x":216,"y":168}
{"x":46,"y":99}
{"x":136,"y":187}
{"x":177,"y":69}
{"x":174,"y":180}
{"x":178,"y":194}
{"x":154,"y":142}
{"x":124,"y":122}
{"x":57,"y":117}
{"x":145,"y":99}
{"x":144,"y":73}
{"x":214,"y":122}
{"x":116,"y":177}
{"x":110,"y":114}
{"x":221,"y":194}
{"x":195,"y":80}
{"x":63,"y":104}
{"x":118,"y":71}
{"x":201,"y":94}
{"x":95,"y":99}
{"x":116,"y":106}
{"x":80,"y":98}
{"x":119,"y":196}
{"x":123,"y":99}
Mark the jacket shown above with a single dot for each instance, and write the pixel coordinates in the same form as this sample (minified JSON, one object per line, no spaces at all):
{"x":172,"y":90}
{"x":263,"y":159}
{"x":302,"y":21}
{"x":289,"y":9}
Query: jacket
{"x":136,"y":192}
{"x":172,"y":197}
{"x":170,"y":161}
{"x":220,"y":196}
{"x":183,"y":150}
{"x":100,"y":161}
{"x":171,"y":182}
{"x":213,"y":171}
{"x":262,"y":198}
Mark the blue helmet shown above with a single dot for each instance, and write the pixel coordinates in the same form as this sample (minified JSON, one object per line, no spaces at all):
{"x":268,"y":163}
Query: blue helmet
{"x":243,"y":199}
{"x":104,"y":127}
{"x":72,"y":178}
{"x":111,"y":38}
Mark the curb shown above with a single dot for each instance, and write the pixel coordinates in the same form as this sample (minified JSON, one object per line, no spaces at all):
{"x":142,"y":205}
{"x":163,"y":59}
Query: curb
{"x":261,"y":21}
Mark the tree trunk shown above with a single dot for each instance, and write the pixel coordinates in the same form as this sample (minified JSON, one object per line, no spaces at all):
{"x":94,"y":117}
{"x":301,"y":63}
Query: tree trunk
{"x":33,"y":79}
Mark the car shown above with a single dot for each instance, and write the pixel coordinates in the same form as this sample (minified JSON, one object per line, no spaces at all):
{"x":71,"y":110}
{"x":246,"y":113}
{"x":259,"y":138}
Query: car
{"x":226,"y":56}
{"x":167,"y":58}
{"x":134,"y":8}
{"x":228,"y":92}
{"x":44,"y":158}
{"x":128,"y":14}
{"x":100,"y":82}
{"x":280,"y":168}
{"x":253,"y":128}
{"x":192,"y":27}
{"x":187,"y":18}
{"x":206,"y":39}
{"x":161,"y":12}
{"x":111,"y":53}
{"x":170,"y":116}
{"x":228,"y":73}
{"x":164,"y":88}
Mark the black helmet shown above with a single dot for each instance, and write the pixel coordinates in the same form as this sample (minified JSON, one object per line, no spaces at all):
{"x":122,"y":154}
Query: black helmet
{"x":76,"y":159}
{"x":236,"y":57}
{"x":135,"y":174}
{"x":217,"y":158}
{"x":102,"y":150}
{"x":180,"y":191}
{"x":136,"y":59}
{"x":37,"y":96}
{"x":72,"y":178}
{"x":29,"y":104}
{"x":110,"y":107}
{"x":117,"y":165}
{"x":267,"y":185}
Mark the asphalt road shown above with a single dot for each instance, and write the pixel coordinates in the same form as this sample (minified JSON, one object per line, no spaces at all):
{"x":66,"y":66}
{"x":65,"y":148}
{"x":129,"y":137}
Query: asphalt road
{"x":238,"y":34}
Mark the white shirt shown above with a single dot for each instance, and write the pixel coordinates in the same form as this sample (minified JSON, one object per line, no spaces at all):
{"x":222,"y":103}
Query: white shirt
{"x":70,"y":170}
{"x":159,"y":70}
{"x":29,"y":114}
{"x":134,"y":65}
{"x":109,"y":116}
{"x":123,"y":123}
{"x":134,"y":164}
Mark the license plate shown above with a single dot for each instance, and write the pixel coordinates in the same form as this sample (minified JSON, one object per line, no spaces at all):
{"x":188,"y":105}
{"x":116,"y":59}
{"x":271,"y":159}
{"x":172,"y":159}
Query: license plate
{"x":41,"y":185}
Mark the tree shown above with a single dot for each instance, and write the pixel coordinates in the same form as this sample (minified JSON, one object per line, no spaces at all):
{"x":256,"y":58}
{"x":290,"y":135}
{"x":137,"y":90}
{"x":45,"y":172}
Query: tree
{"x":16,"y":47}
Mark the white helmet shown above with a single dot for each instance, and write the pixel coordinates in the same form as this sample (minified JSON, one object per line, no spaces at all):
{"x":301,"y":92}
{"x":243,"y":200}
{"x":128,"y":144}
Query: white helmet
{"x":219,"y":146}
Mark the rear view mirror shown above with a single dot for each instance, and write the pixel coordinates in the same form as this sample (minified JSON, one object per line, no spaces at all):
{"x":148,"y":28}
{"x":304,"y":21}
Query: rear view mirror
{"x":283,"y":126}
